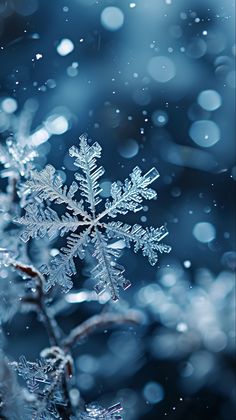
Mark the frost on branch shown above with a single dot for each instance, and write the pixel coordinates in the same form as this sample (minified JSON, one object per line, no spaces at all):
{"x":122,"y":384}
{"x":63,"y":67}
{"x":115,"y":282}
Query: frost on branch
{"x":88,"y":229}
{"x":44,"y":380}
{"x":33,"y":373}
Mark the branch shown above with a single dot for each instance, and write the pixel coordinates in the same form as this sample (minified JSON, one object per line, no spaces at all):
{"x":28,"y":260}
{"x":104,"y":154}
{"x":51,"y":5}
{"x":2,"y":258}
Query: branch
{"x":50,"y":323}
{"x":29,"y":270}
{"x":105,"y":320}
{"x":47,"y":318}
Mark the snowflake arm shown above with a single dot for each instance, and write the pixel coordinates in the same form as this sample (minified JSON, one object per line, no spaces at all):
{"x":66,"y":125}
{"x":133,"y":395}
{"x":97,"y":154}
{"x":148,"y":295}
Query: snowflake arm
{"x":39,"y":222}
{"x":47,"y":186}
{"x":107,"y":272}
{"x":129,"y":195}
{"x":62,"y":266}
{"x":85,"y":160}
{"x":145,"y":239}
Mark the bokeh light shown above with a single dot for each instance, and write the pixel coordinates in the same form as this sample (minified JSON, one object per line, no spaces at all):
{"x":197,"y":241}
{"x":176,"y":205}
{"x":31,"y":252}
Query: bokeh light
{"x":205,"y":133}
{"x":112,"y":18}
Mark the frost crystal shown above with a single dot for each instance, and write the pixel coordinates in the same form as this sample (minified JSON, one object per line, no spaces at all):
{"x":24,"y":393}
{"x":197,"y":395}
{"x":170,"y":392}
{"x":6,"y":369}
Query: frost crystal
{"x":44,"y":380}
{"x":86,"y":225}
{"x":94,"y":411}
{"x":32,"y":372}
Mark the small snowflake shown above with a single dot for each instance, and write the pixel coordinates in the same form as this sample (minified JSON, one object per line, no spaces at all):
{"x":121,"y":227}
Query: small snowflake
{"x":44,"y":382}
{"x":86,"y":224}
{"x":33,"y":373}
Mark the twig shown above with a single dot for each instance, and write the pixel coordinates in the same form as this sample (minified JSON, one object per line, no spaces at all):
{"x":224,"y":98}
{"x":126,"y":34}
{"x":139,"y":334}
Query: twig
{"x":105,"y":320}
{"x":49,"y":321}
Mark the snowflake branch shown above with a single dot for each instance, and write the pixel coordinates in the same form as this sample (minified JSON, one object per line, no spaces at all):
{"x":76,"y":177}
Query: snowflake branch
{"x":39,"y":222}
{"x":86,"y":160}
{"x":129,"y":195}
{"x":47,"y":186}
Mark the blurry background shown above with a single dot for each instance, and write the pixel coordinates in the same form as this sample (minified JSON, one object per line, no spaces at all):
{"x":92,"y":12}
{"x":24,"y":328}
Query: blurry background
{"x":154,"y":82}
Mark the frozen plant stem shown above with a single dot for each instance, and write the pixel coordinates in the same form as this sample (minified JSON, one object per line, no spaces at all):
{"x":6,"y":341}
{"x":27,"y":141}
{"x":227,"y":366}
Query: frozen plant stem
{"x":97,"y":322}
{"x":49,"y":322}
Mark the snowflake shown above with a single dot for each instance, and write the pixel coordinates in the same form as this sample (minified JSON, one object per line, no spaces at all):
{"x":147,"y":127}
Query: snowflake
{"x":86,"y":225}
{"x":44,"y":382}
{"x":33,"y":373}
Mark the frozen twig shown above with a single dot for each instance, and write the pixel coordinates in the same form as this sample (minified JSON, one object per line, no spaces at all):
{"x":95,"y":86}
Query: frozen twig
{"x":105,"y":320}
{"x":49,"y":321}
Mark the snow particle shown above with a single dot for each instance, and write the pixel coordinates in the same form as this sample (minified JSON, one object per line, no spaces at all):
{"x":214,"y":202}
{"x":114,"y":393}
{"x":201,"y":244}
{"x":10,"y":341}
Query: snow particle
{"x":65,"y":47}
{"x":187,"y":264}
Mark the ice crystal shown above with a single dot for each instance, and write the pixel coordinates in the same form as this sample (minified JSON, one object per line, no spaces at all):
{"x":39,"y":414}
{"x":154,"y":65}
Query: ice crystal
{"x":86,"y":225}
{"x":33,"y":373}
{"x":94,"y":411}
{"x":44,"y":381}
